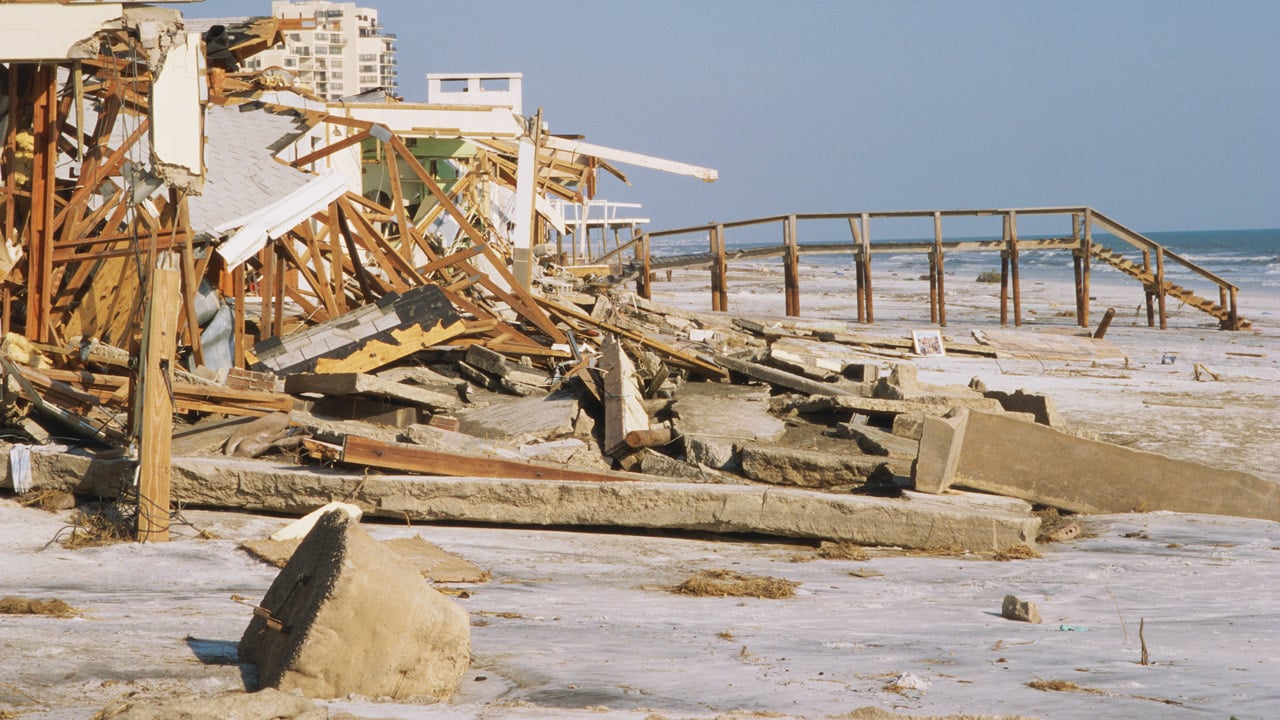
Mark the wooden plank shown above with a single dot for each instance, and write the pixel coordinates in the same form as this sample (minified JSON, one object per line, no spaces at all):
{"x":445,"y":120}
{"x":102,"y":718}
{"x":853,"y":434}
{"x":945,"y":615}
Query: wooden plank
{"x":673,"y":354}
{"x":377,"y":353}
{"x":624,"y":412}
{"x":372,"y":386}
{"x":358,"y":450}
{"x":781,"y":378}
{"x":155,"y":418}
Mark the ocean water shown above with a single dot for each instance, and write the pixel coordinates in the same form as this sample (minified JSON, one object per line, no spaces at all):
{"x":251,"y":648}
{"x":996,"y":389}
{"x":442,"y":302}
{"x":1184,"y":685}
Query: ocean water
{"x":1250,"y":259}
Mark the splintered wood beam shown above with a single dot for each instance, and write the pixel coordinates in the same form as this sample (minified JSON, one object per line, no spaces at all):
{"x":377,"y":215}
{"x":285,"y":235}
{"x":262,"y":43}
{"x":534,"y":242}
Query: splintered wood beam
{"x":396,"y":267}
{"x":358,"y":450}
{"x":363,"y":276}
{"x":672,"y":354}
{"x":319,"y":283}
{"x":43,"y":187}
{"x":397,"y":205}
{"x":336,"y":258}
{"x":405,"y":341}
{"x":328,"y":150}
{"x":525,"y":305}
{"x":624,"y":413}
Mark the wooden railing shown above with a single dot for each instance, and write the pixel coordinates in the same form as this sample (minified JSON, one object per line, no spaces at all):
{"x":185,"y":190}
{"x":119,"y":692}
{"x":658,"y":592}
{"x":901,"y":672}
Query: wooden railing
{"x":1081,"y":241}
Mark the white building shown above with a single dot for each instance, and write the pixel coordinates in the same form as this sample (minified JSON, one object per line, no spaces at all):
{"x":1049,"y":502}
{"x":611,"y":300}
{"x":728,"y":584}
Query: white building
{"x":340,"y":51}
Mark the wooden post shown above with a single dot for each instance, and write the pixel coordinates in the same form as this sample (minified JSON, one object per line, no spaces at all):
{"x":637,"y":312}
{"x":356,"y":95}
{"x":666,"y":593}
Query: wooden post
{"x":1013,"y":269}
{"x":155,"y":421}
{"x":1148,"y":289}
{"x":1086,"y":261}
{"x":1233,"y":316}
{"x":933,"y":287}
{"x":1164,"y":322}
{"x":719,"y":271}
{"x":643,"y":284}
{"x":266,"y":286}
{"x":1004,"y":275}
{"x":239,"y":346}
{"x":46,"y":131}
{"x":857,"y":269}
{"x":1076,"y":266}
{"x":866,"y":267}
{"x":791,"y":267}
{"x":941,"y":269}
{"x":8,"y":231}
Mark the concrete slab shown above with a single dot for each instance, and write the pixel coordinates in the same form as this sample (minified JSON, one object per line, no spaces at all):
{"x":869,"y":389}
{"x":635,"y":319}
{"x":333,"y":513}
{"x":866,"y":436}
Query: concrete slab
{"x":542,"y":417}
{"x":1002,"y":454}
{"x":714,"y":417}
{"x":976,"y":522}
{"x":815,"y":468}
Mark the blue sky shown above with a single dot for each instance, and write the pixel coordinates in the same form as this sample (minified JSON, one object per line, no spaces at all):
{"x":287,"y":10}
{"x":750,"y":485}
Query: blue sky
{"x":1162,"y":114}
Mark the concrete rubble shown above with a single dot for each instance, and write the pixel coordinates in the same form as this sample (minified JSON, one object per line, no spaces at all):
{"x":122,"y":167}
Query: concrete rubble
{"x":345,"y":616}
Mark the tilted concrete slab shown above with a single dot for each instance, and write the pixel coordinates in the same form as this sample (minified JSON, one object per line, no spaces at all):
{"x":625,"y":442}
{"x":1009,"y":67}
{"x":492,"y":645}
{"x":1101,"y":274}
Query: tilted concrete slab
{"x":976,"y":522}
{"x":1004,"y":455}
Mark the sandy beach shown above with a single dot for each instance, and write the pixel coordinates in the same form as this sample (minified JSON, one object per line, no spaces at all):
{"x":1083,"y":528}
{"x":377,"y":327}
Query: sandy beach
{"x":578,"y":624}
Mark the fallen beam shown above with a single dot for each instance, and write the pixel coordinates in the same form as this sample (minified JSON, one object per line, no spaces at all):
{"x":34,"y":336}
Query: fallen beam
{"x":999,"y":454}
{"x":976,"y":522}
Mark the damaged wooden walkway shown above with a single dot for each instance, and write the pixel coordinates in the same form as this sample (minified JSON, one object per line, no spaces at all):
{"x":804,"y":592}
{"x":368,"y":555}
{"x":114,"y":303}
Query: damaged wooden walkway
{"x":1147,"y":267}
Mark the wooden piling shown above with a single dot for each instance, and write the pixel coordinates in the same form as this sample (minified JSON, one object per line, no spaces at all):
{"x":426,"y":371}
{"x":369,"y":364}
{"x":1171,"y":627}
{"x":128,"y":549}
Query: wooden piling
{"x":1013,"y":268}
{"x":1086,"y":263}
{"x":941,"y":268}
{"x":933,"y":287}
{"x":155,"y":419}
{"x":791,"y":267}
{"x":1160,"y":286}
{"x":857,"y":270}
{"x":1004,"y":288}
{"x":719,"y":271}
{"x":1077,"y":267}
{"x":644,"y":283}
{"x":866,"y":268}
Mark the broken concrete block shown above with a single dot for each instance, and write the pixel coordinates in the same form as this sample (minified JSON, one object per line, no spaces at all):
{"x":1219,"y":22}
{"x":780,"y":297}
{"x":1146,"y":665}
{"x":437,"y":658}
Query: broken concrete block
{"x":346,"y":616}
{"x":813,"y":468}
{"x":701,"y":410}
{"x":1021,"y":610}
{"x":299,"y":528}
{"x":908,"y":425}
{"x":874,"y":441}
{"x":900,"y":384}
{"x":941,"y":440}
{"x":999,"y":453}
{"x":1040,"y":406}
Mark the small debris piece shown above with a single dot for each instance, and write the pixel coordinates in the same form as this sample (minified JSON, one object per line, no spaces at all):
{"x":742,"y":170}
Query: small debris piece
{"x":727,"y":583}
{"x":1021,"y":610}
{"x":13,"y":605}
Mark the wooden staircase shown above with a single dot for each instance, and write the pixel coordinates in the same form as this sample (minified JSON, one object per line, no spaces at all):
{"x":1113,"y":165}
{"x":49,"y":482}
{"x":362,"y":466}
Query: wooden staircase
{"x":1149,"y":281}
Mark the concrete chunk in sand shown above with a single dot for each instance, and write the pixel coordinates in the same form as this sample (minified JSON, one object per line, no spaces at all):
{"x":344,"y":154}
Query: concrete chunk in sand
{"x":346,"y":616}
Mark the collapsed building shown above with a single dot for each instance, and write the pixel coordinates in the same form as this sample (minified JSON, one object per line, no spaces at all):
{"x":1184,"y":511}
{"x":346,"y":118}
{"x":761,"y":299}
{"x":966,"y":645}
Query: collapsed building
{"x":416,"y":288}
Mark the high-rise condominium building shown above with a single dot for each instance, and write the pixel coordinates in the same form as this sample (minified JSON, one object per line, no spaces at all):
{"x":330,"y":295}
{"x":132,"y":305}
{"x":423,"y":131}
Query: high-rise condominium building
{"x":346,"y":53}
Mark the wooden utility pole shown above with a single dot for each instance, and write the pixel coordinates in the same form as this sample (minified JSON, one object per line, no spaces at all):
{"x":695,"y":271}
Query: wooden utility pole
{"x":154,"y":418}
